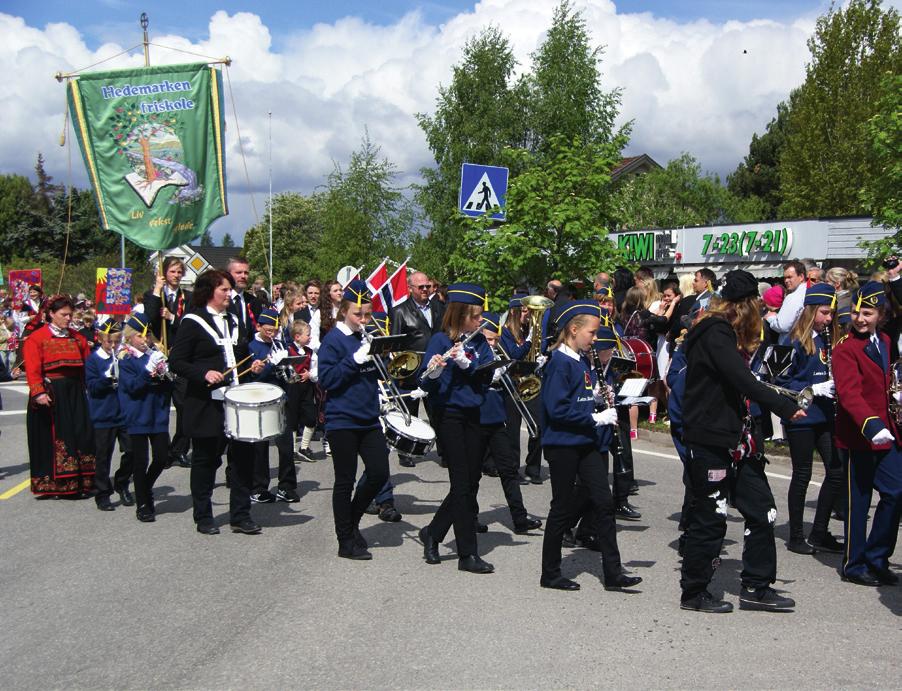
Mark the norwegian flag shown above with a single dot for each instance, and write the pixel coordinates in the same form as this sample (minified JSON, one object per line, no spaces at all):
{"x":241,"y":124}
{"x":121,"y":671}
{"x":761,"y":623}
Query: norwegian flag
{"x":398,"y":283}
{"x":377,"y":281}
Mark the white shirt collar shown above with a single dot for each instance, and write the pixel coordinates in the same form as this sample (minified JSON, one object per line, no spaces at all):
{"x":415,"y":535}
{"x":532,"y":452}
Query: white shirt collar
{"x":344,"y":328}
{"x":59,"y":333}
{"x":102,"y":354}
{"x":568,"y":351}
{"x":212,"y":311}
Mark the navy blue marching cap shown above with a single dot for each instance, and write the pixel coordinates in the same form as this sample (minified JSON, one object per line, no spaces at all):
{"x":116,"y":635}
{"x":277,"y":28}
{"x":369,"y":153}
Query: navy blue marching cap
{"x":357,"y":292}
{"x":111,"y":326}
{"x":494,"y":320}
{"x":468,"y":294}
{"x":821,"y":294}
{"x":871,"y":294}
{"x":139,"y":322}
{"x":574,"y":308}
{"x":844,"y":315}
{"x":605,"y":291}
{"x":605,"y":338}
{"x":268,"y":317}
{"x":515,"y":300}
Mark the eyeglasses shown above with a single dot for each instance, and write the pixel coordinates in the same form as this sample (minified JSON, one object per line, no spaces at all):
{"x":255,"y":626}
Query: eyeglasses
{"x":425,"y":286}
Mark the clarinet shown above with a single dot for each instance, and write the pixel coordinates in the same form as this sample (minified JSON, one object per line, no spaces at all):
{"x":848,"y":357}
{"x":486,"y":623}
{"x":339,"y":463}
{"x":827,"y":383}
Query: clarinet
{"x":609,"y":402}
{"x":828,"y":347}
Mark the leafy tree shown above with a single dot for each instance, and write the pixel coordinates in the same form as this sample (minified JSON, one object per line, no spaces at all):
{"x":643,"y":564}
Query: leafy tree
{"x":758,"y":176}
{"x":557,"y":212}
{"x":206,"y":240}
{"x":364,"y":215}
{"x":565,"y":94}
{"x":16,"y":198}
{"x":227,"y":240}
{"x":477,"y":116}
{"x":679,"y":195}
{"x":296,"y":233}
{"x":827,"y":158}
{"x":45,"y":189}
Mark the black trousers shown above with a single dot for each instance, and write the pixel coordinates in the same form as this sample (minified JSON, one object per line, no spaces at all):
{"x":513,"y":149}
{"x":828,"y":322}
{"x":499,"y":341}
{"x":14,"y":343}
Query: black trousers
{"x":180,"y":441}
{"x":802,"y":443}
{"x":347,"y":445}
{"x":565,"y":464}
{"x":623,"y":466}
{"x":288,"y":474}
{"x":533,"y":461}
{"x":464,"y":445}
{"x":105,"y":439}
{"x":714,"y":480}
{"x":205,"y":461}
{"x":498,"y":448}
{"x":146,"y":474}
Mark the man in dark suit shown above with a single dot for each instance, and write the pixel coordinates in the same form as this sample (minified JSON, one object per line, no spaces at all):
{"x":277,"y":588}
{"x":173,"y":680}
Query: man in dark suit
{"x":165,"y":306}
{"x":312,"y":290}
{"x":245,"y":305}
{"x":419,"y":318}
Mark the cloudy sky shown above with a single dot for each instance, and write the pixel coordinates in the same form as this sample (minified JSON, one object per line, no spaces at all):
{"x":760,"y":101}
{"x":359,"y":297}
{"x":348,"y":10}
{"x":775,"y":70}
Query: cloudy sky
{"x":327,"y":70}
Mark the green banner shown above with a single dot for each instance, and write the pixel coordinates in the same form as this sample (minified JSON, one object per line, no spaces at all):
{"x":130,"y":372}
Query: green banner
{"x":152,"y":141}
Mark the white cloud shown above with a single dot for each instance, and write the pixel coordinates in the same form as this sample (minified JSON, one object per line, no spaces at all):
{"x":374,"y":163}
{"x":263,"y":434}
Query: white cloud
{"x":687,"y":86}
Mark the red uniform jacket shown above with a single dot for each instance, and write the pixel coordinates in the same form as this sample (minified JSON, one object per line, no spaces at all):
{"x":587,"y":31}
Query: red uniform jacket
{"x":862,"y":389}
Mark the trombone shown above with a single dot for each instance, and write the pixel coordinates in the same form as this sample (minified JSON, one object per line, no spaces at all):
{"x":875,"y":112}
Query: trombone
{"x":514,"y":391}
{"x":403,"y":364}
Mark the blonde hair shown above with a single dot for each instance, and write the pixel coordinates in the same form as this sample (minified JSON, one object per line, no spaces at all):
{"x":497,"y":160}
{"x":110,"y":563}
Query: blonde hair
{"x":801,"y":330}
{"x":287,"y":303}
{"x":841,"y":278}
{"x":686,"y":281}
{"x":299,"y":326}
{"x":575,"y":324}
{"x":456,"y":315}
{"x":744,"y":316}
{"x":650,"y":292}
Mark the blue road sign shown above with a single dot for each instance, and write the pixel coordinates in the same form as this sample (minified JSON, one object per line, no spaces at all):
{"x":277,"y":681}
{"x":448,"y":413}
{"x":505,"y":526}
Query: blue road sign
{"x":481,"y":188}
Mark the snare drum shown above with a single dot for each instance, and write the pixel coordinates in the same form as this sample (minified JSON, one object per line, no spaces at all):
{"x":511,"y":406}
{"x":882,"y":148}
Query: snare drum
{"x":414,"y":439}
{"x":638,"y":350}
{"x":254,"y":412}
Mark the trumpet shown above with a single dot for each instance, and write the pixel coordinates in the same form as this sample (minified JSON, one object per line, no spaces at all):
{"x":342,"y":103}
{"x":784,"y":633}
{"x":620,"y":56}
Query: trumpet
{"x":802,"y":398}
{"x":447,"y":354}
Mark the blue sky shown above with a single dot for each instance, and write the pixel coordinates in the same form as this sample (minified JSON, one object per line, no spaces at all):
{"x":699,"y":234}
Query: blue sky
{"x":117,"y":20}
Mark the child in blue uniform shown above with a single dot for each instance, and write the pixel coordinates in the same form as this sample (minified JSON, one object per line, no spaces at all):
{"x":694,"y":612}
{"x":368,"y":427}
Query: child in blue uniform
{"x":570,"y":443}
{"x":347,"y":373}
{"x":145,"y":391}
{"x":492,"y":419}
{"x":102,"y":380}
{"x":264,"y":346}
{"x":811,"y":352}
{"x":457,"y":391}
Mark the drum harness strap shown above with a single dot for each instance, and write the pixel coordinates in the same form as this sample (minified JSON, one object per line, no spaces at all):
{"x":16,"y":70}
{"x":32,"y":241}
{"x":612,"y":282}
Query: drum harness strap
{"x":227,"y":344}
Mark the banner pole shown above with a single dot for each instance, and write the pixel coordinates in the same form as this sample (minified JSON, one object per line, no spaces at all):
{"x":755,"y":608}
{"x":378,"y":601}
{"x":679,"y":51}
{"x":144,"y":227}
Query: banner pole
{"x":271,"y":296}
{"x":144,"y":22}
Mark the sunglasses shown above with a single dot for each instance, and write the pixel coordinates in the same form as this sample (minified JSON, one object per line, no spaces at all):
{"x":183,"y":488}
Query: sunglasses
{"x":425,"y":286}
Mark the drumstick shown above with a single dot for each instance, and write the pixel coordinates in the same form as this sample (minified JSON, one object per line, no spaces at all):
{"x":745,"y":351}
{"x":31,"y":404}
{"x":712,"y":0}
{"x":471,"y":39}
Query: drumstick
{"x":237,"y":364}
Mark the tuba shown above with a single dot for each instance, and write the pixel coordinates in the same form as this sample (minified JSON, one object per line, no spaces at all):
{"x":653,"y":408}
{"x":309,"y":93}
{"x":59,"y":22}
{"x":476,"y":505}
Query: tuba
{"x":529,"y":385}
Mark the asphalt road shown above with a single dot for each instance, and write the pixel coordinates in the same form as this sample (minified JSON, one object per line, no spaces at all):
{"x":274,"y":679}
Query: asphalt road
{"x":99,"y":600}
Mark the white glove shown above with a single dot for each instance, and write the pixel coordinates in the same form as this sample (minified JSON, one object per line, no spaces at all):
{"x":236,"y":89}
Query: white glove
{"x":605,"y":417}
{"x":153,"y":362}
{"x":363,"y":353}
{"x":277,"y":355}
{"x":497,"y":374}
{"x":884,"y":436}
{"x":417,"y":394}
{"x":898,"y":396}
{"x":541,"y":360}
{"x":825,"y":389}
{"x":109,"y":374}
{"x":461,"y":359}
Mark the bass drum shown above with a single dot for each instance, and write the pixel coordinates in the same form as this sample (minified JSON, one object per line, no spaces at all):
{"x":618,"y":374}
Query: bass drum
{"x":638,"y":350}
{"x":414,"y":439}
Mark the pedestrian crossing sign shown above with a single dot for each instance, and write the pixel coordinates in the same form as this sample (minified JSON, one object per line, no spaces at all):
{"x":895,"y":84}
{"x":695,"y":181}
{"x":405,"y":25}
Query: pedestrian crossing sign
{"x":481,"y":189}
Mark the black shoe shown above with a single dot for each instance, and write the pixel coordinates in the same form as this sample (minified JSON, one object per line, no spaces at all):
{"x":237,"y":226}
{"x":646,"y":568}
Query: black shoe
{"x":588,"y":542}
{"x":372,"y":509}
{"x":627,"y":512}
{"x":522,"y":479}
{"x":183,"y":461}
{"x":765,"y":599}
{"x":490,"y":471}
{"x":826,"y":543}
{"x":207,"y":528}
{"x":146,"y":514}
{"x":247,"y":526}
{"x":527,"y":525}
{"x":389,"y":514}
{"x":359,"y":540}
{"x":264,"y":497}
{"x":559,"y":583}
{"x":125,"y":497}
{"x":568,"y":540}
{"x":306,"y":455}
{"x":622,"y":581}
{"x":103,"y":503}
{"x":866,"y":579}
{"x":288,"y":495}
{"x":406,"y":461}
{"x":799,"y":546}
{"x":681,"y":544}
{"x":885,"y":576}
{"x":481,"y":527}
{"x":430,"y":546}
{"x":351,"y":550}
{"x":706,"y":602}
{"x":534,"y":479}
{"x":474,"y":564}
{"x":169,"y":461}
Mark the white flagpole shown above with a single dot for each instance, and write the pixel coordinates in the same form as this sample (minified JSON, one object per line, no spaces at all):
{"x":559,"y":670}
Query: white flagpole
{"x":271,"y":296}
